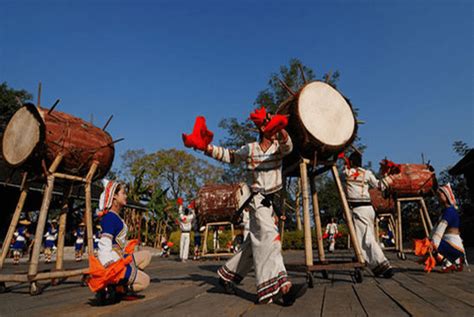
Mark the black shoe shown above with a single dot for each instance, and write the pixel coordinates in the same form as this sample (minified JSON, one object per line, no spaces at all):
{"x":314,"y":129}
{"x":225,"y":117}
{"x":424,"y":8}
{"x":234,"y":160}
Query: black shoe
{"x":295,"y":292}
{"x":388,"y":273}
{"x":229,"y":287}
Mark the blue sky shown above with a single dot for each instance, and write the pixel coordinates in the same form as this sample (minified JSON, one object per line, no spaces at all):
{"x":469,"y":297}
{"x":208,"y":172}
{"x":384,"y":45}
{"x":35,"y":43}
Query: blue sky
{"x":156,"y":65}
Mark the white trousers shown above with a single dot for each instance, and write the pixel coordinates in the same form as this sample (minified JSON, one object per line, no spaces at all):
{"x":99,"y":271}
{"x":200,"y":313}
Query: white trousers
{"x":262,"y":250}
{"x":184,"y":246}
{"x":364,"y":217}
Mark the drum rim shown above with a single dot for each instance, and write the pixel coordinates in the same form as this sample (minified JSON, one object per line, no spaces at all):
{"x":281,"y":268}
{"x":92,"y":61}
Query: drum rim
{"x":42,"y":134}
{"x":326,"y":147}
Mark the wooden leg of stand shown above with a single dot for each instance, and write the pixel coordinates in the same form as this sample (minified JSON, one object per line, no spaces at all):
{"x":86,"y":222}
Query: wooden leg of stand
{"x":308,"y":246}
{"x":90,"y":241}
{"x":427,"y":215}
{"x":204,"y":244}
{"x":348,"y":215}
{"x":14,"y":222}
{"x":61,"y":237}
{"x":422,"y":216}
{"x":43,"y":215}
{"x":283,"y":211}
{"x":400,"y":227}
{"x":317,"y":221}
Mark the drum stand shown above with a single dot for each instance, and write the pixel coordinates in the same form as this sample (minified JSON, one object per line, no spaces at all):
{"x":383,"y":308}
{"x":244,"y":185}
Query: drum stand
{"x":391,"y":227}
{"x":322,"y":264}
{"x":217,"y":252}
{"x":32,"y":276}
{"x":425,"y":218}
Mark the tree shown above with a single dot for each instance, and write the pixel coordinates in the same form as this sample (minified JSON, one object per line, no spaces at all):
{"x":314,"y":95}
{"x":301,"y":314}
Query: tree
{"x":177,"y":170}
{"x":10,"y":100}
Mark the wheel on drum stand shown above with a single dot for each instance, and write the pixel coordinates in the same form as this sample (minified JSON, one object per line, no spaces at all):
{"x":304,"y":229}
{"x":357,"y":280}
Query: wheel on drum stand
{"x":3,"y":287}
{"x":35,"y":289}
{"x":359,"y":277}
{"x":310,"y":279}
{"x":325,"y":274}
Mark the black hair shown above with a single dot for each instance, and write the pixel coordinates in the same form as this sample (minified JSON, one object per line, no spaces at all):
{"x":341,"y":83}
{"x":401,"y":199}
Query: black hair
{"x":355,"y":159}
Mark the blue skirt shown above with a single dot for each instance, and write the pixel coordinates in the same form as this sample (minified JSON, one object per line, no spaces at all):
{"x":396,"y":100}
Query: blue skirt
{"x":449,"y":252}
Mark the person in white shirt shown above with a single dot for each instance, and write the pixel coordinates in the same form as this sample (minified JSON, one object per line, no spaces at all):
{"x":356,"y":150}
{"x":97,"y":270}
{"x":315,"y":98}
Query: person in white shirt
{"x":186,"y":217}
{"x":331,"y":232}
{"x":262,"y":248}
{"x":358,"y":181}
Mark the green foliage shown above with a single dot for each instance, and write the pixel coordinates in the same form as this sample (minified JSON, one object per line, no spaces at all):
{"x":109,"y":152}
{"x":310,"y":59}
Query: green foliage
{"x":294,"y":240}
{"x":9,"y":103}
{"x":177,"y":170}
{"x":461,"y":148}
{"x":224,"y":237}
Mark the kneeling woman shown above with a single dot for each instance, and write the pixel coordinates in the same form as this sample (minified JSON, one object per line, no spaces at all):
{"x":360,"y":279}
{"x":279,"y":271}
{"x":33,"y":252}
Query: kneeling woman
{"x":113,"y":238}
{"x":445,"y":235}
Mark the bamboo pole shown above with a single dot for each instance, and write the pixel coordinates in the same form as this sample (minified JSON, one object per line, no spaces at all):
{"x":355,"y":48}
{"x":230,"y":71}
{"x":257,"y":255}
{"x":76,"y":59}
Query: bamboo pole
{"x":427,"y":233}
{"x":400,"y":227}
{"x":15,"y":218}
{"x":308,"y":247}
{"x":317,"y":220}
{"x":348,"y":215}
{"x":297,"y":207}
{"x":41,"y":276}
{"x":204,"y":245}
{"x":377,"y":230}
{"x":48,"y":193}
{"x":70,"y":177}
{"x":427,"y":215}
{"x":283,"y":210}
{"x":90,"y":174}
{"x":62,"y":228}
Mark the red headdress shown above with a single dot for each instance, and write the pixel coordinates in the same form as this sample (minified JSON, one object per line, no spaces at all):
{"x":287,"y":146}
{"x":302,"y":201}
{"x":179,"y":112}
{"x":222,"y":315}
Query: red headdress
{"x":107,"y":196}
{"x":270,"y":126}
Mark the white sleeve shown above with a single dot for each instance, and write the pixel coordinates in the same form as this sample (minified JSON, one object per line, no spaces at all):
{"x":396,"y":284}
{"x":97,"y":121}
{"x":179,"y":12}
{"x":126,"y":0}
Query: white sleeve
{"x":438,"y":232}
{"x":286,"y":146}
{"x":229,"y":156}
{"x":106,"y":254}
{"x":372,"y":180}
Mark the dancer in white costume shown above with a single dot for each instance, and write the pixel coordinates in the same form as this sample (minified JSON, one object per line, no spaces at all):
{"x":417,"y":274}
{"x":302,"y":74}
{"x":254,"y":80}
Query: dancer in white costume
{"x":331,"y":232}
{"x":262,"y":249}
{"x":358,"y":181}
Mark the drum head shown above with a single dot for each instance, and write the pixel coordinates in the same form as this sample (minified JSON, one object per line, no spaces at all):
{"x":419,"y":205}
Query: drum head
{"x":325,"y":114}
{"x":22,"y":134}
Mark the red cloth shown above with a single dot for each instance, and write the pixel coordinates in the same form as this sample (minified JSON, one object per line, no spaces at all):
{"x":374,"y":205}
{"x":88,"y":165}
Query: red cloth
{"x":259,"y":116}
{"x":200,"y":138}
{"x":192,"y":205}
{"x":100,"y":277}
{"x":422,"y":247}
{"x":277,"y":123}
{"x":388,"y":167}
{"x":179,"y":201}
{"x":326,"y":235}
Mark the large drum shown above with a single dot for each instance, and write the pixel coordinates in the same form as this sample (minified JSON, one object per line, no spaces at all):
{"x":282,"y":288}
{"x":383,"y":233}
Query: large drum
{"x":320,"y":120}
{"x":411,"y":180}
{"x":220,"y":202}
{"x":33,"y":135}
{"x":380,"y":203}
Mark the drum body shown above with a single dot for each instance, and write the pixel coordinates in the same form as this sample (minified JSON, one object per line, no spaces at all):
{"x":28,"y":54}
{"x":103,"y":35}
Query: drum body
{"x":220,"y":202}
{"x":412,"y":180}
{"x":380,"y":203}
{"x":321,"y":120}
{"x":34,"y":135}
